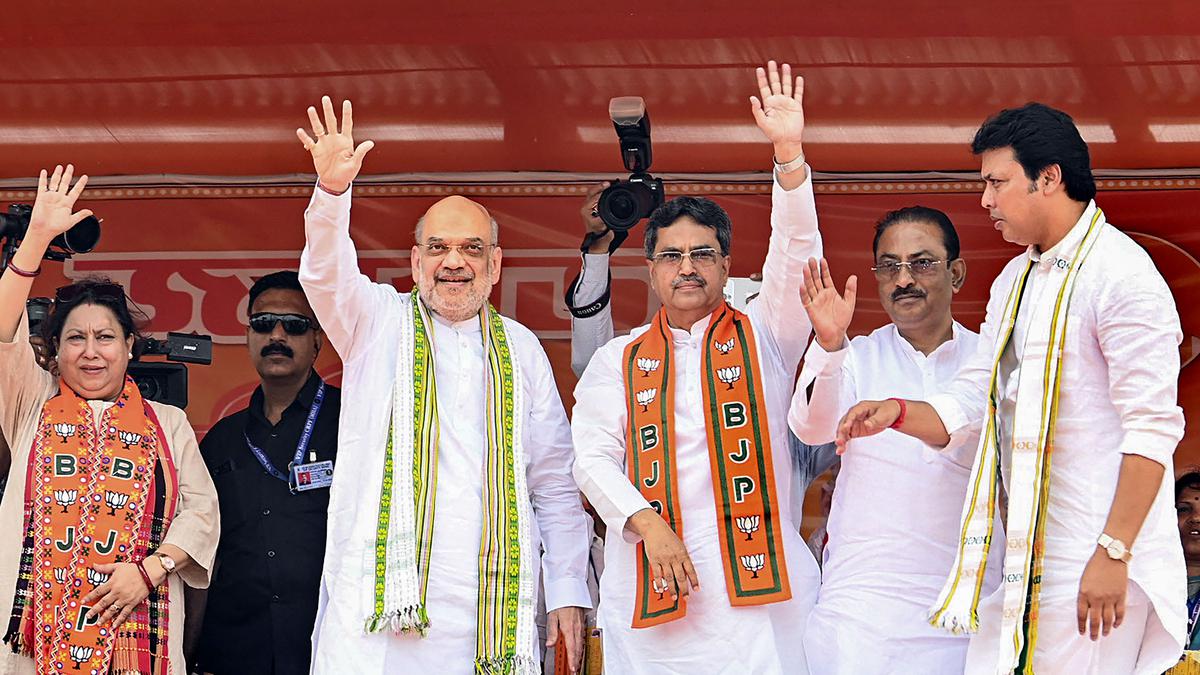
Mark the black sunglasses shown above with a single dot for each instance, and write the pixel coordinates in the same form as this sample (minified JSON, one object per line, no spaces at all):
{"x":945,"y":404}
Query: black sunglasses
{"x":293,"y":324}
{"x":104,"y":291}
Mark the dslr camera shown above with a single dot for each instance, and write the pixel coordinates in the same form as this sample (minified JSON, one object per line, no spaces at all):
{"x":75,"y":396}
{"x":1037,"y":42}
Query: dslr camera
{"x":81,"y":238}
{"x":626,"y":202}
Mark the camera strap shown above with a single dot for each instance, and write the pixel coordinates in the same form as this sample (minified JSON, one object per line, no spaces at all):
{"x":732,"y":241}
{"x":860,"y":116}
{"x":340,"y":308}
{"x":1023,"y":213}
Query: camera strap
{"x":593,"y":308}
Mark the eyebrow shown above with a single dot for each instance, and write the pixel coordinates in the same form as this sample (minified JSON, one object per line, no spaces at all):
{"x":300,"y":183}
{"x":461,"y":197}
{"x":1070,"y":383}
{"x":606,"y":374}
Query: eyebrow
{"x":469,"y":240}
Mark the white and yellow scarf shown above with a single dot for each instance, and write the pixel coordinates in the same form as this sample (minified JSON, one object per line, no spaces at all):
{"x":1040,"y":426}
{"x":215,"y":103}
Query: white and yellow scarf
{"x":1039,"y":382}
{"x":404,"y":535}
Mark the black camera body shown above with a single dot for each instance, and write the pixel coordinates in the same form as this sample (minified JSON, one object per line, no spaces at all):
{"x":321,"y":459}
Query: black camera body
{"x":624,"y":203}
{"x":81,"y":238}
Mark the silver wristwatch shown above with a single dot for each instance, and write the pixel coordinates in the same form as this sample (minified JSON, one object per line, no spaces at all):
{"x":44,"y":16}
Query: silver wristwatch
{"x":1115,"y":548}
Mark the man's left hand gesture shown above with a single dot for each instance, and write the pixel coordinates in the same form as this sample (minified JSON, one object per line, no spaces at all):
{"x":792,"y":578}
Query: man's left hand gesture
{"x":1101,"y":604}
{"x":779,"y":112}
{"x":566,"y":623}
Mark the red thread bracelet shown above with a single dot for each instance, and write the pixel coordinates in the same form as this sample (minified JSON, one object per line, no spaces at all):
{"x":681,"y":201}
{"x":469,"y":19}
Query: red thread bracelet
{"x":145,"y":576}
{"x":22,"y":273}
{"x":903,"y":412}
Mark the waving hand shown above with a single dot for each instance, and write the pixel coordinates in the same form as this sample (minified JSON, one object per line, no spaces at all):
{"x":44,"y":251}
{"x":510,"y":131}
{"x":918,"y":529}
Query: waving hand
{"x":334,"y":154}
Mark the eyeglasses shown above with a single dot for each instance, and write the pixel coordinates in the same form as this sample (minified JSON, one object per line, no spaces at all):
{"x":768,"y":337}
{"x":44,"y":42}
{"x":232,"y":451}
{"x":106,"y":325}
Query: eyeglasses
{"x":474,"y":249}
{"x":102,"y":290}
{"x":293,"y":324}
{"x":921,"y":267}
{"x":700,"y":257}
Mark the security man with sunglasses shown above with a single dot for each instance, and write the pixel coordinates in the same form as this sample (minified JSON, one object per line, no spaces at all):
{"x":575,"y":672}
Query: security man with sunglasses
{"x":272,"y":464}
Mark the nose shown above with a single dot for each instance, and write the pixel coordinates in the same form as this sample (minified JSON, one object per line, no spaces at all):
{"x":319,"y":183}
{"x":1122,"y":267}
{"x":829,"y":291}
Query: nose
{"x":986,"y":200}
{"x":904,"y":277}
{"x":278,"y":334}
{"x":686,"y":266}
{"x":454,"y":259}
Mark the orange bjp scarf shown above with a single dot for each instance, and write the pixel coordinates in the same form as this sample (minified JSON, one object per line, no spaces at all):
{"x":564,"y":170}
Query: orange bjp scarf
{"x":739,"y":450}
{"x":95,"y":494}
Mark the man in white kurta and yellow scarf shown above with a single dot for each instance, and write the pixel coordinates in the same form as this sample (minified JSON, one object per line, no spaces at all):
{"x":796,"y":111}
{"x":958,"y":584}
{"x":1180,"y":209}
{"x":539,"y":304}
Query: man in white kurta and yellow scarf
{"x":682,"y":444}
{"x":452,"y":494}
{"x":1073,"y":389}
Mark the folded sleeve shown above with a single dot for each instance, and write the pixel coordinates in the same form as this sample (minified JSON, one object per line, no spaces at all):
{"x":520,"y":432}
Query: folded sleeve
{"x":1138,"y":330}
{"x":24,"y":386}
{"x":824,"y":391}
{"x":196,"y":528}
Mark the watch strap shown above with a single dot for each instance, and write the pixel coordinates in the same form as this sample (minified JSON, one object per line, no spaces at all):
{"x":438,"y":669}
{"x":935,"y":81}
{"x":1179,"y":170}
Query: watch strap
{"x":789,"y":166}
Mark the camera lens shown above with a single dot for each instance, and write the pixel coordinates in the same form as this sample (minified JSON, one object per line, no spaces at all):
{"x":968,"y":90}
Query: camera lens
{"x":623,"y":204}
{"x":149,"y":388}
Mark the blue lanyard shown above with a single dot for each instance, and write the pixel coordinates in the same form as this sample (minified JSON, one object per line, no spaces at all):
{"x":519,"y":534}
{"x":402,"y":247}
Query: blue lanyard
{"x":301,"y":447}
{"x":1193,"y":605}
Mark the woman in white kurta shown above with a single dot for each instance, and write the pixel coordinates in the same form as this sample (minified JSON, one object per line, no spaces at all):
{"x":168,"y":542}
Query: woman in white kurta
{"x":90,"y":332}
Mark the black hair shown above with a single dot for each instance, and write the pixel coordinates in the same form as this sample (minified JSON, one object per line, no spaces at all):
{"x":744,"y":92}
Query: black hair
{"x":97,"y":291}
{"x":700,"y":209}
{"x":919,"y":214}
{"x":287,"y":280}
{"x":1188,"y":481}
{"x":1040,"y":136}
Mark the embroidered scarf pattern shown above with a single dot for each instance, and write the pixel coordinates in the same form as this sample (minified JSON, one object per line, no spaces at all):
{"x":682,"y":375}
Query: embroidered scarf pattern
{"x":1039,"y":385}
{"x":739,"y":446}
{"x":406,"y":507}
{"x":95,"y":494}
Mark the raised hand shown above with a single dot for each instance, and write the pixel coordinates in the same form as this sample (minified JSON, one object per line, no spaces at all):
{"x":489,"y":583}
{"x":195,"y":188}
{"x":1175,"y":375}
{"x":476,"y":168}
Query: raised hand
{"x":779,"y":112}
{"x":829,"y":312}
{"x":592,"y":221}
{"x":52,"y":214}
{"x":335,"y":157}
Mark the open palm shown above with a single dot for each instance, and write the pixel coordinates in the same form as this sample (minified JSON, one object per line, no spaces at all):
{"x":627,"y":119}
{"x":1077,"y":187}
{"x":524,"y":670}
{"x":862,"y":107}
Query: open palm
{"x":779,"y":112}
{"x":828,"y":311}
{"x":51,"y":215}
{"x":335,"y":158}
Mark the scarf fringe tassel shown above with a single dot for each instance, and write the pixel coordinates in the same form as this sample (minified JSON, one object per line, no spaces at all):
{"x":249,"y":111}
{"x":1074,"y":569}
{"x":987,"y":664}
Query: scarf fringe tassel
{"x":411,"y":619}
{"x":957,"y":620}
{"x":506,"y":665}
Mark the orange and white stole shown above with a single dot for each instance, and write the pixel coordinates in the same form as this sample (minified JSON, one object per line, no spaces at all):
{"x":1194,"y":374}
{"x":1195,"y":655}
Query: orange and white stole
{"x":96,"y":494}
{"x":739,"y":450}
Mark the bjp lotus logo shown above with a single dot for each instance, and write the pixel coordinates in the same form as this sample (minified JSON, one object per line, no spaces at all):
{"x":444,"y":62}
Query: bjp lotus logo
{"x":725,"y":347}
{"x":648,"y":366}
{"x":645,"y":397}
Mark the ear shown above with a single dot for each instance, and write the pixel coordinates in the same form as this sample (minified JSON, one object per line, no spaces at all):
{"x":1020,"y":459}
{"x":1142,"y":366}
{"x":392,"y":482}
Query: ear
{"x":129,"y":344}
{"x":1050,"y":179}
{"x":495,"y":259}
{"x":318,"y":341}
{"x":958,"y":274}
{"x":415,"y":260}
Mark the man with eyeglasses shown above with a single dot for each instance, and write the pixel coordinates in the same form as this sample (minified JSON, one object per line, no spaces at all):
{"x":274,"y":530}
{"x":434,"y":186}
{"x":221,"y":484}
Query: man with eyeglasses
{"x":681,"y":438}
{"x":1073,"y":392}
{"x":272,"y":464}
{"x":453,"y":495}
{"x":881,"y":574}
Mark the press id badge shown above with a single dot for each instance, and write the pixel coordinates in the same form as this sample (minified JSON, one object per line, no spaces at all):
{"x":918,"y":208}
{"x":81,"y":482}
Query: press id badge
{"x":311,"y":476}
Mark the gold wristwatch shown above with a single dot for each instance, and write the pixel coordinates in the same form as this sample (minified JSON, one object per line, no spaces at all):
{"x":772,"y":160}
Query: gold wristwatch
{"x":167,"y":562}
{"x":1115,"y":548}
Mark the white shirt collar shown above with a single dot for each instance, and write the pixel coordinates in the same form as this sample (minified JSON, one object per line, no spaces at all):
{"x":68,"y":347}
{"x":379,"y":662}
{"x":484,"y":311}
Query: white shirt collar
{"x":1062,"y":252}
{"x":468,"y":325}
{"x":946,"y":347}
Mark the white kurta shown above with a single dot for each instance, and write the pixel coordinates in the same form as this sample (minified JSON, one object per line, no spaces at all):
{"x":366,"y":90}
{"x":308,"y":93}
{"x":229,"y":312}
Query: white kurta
{"x":362,"y":320}
{"x":1118,"y":397}
{"x":714,"y":637}
{"x":885,"y":565}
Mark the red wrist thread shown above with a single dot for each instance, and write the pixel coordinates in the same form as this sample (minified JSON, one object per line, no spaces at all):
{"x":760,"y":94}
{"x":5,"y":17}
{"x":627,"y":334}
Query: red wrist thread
{"x":145,"y":576}
{"x":903,"y":412}
{"x":23,"y":273}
